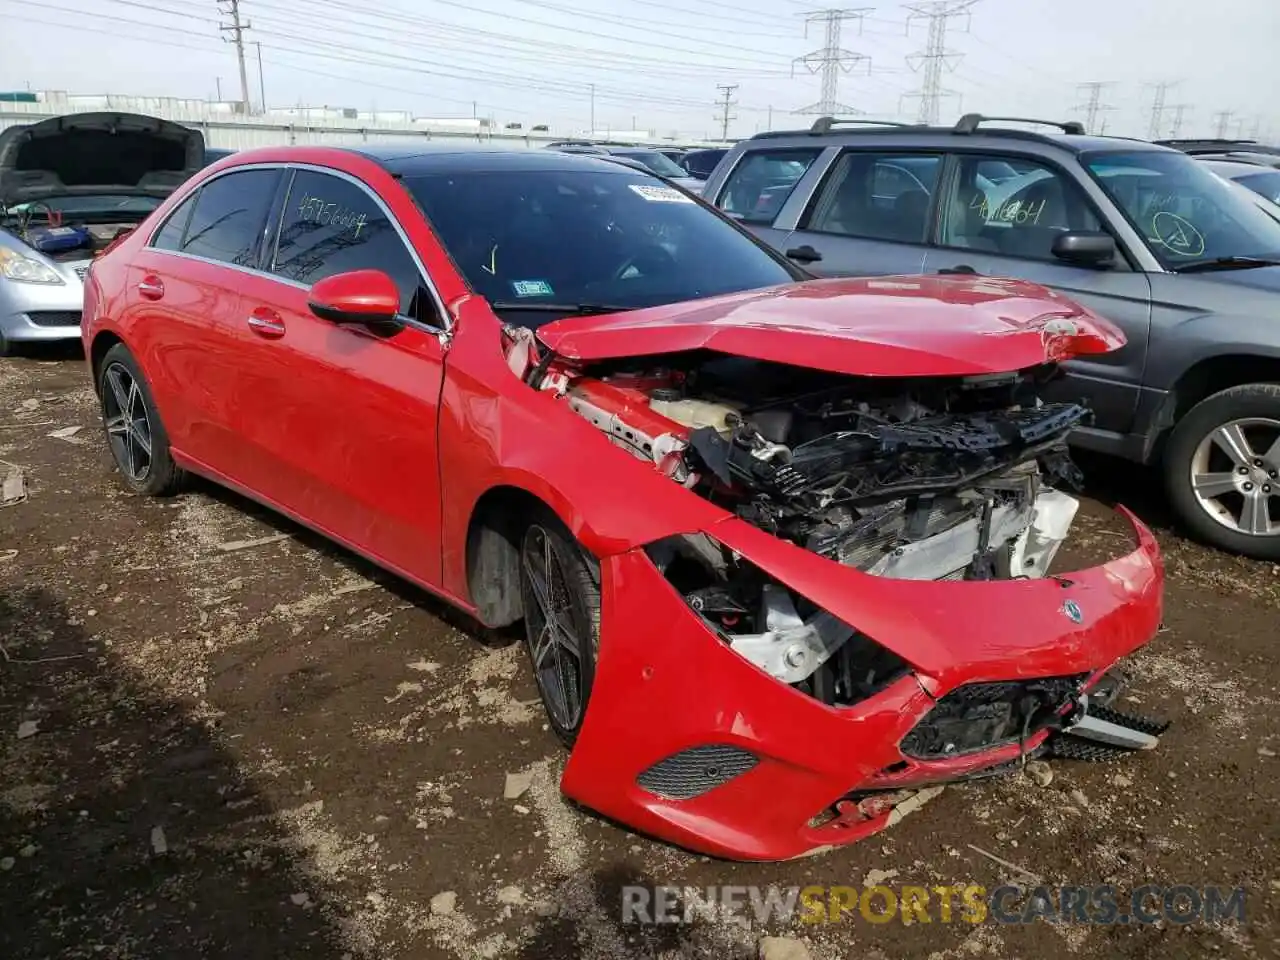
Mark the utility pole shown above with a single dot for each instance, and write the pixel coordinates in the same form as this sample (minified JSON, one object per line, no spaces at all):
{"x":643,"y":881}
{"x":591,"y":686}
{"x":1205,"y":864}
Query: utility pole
{"x":237,"y":28}
{"x":1222,"y":118}
{"x":592,"y":131}
{"x":1157,"y":108}
{"x":262,"y":87}
{"x":1179,"y":113}
{"x":1094,"y":105}
{"x":935,"y":58}
{"x":831,"y":60}
{"x":726,"y":90}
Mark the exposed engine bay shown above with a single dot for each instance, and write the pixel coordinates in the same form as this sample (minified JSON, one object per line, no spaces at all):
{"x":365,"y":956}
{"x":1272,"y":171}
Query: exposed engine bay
{"x":44,"y":230}
{"x":920,"y":478}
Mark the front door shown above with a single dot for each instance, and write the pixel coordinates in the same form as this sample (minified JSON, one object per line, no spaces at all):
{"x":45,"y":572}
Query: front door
{"x":345,"y":416}
{"x":999,"y":217}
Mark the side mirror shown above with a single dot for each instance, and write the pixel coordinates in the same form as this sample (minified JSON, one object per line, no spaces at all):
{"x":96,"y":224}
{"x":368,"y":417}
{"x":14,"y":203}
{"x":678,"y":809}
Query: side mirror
{"x":359,"y":296}
{"x":1085,"y":249}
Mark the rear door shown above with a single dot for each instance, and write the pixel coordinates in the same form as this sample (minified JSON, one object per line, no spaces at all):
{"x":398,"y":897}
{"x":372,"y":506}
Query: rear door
{"x":999,"y":217}
{"x":760,"y":184}
{"x":343,"y":417}
{"x":871,"y":215}
{"x":184,"y":291}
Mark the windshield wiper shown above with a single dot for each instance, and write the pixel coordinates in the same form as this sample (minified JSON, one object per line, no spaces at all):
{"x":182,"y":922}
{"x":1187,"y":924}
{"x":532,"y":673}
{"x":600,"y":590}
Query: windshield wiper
{"x":572,"y":309}
{"x":1226,"y":263}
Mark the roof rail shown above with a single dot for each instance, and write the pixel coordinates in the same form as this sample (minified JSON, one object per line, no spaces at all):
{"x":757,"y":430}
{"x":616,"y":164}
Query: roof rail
{"x":970,"y":121}
{"x":824,"y":124}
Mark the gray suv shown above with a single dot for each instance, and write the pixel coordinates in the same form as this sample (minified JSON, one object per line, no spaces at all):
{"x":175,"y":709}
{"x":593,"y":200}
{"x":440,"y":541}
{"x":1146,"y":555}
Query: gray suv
{"x":1183,"y":262}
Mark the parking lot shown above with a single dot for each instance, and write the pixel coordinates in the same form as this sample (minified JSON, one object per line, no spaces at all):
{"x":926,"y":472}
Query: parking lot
{"x":223,"y":737}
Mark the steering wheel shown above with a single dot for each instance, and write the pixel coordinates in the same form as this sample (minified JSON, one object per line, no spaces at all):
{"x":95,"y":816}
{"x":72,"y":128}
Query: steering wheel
{"x":649,"y":259}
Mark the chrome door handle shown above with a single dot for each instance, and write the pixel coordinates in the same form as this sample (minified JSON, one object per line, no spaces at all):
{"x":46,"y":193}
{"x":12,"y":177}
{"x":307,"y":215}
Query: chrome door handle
{"x":152,"y":288}
{"x":266,"y":326}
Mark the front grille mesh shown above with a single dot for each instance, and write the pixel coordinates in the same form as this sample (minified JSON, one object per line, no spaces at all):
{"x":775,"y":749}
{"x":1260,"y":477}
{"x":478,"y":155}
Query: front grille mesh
{"x":693,"y":772}
{"x":55,"y":318}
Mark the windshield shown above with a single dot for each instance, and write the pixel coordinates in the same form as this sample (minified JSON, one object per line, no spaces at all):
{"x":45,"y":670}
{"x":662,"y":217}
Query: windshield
{"x":659,"y":163}
{"x":1185,"y":213}
{"x":1266,"y":184}
{"x":616,"y":237}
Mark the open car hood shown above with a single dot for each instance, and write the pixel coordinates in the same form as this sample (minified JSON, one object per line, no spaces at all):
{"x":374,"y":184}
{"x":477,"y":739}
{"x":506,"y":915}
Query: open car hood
{"x":94,"y":153}
{"x":884,"y":326}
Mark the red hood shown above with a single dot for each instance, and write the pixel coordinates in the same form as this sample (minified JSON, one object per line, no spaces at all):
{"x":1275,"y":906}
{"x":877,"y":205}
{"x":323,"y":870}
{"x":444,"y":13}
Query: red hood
{"x":883,"y":326}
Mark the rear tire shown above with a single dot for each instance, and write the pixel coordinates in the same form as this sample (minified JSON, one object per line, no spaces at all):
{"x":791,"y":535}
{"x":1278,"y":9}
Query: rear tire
{"x":560,"y":589}
{"x":134,"y":431}
{"x":1230,"y":444}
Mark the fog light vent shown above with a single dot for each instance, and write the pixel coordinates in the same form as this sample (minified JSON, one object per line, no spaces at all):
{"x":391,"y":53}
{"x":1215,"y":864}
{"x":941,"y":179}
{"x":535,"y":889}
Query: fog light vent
{"x":693,"y":772}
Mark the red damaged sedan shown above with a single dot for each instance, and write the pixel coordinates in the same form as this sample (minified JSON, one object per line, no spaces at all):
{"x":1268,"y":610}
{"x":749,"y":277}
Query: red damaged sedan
{"x":781,"y":547}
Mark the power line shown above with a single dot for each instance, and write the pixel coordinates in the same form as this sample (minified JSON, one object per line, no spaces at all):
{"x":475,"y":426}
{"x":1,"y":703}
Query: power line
{"x":831,"y":59}
{"x":726,"y":89}
{"x":935,"y":58}
{"x":1094,"y":105}
{"x":1157,"y":108}
{"x":237,"y":28}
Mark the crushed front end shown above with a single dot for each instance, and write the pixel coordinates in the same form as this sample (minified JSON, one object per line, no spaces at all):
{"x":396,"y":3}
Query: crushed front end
{"x":876,"y":612}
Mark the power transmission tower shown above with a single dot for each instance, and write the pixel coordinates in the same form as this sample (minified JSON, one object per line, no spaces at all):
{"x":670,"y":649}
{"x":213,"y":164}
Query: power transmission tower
{"x":726,"y":90}
{"x":1222,"y":118}
{"x":935,"y":58}
{"x":1179,"y":112}
{"x":1094,"y":105}
{"x":831,"y":60}
{"x":1157,"y":108}
{"x":237,"y":28}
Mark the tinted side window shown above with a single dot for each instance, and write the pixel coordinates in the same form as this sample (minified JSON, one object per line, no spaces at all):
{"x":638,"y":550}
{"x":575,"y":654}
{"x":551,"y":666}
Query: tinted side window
{"x":229,"y":217}
{"x":169,"y":236}
{"x":878,"y":197}
{"x":1019,"y":216}
{"x":761,"y":182}
{"x":331,"y":226}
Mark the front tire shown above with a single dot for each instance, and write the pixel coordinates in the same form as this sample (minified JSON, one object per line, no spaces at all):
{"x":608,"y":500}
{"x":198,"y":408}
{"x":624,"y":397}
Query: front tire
{"x":560,"y":589}
{"x":1222,"y":470}
{"x":135,"y":433}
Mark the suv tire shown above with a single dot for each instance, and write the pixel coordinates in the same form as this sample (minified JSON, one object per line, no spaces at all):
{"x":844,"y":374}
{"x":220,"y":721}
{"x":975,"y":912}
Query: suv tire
{"x":1239,"y":482}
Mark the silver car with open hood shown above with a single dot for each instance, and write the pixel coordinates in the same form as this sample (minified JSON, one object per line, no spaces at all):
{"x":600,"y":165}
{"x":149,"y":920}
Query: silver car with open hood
{"x":68,"y":187}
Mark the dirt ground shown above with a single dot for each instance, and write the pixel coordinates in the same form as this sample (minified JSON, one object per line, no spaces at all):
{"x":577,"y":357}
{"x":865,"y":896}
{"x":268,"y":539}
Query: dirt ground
{"x":276,"y":751}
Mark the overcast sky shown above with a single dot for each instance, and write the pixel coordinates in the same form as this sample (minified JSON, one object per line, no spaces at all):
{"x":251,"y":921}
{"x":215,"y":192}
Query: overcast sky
{"x":657,"y":63}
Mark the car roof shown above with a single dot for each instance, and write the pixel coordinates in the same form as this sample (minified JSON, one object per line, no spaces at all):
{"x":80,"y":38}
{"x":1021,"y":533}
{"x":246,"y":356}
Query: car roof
{"x":407,"y":161}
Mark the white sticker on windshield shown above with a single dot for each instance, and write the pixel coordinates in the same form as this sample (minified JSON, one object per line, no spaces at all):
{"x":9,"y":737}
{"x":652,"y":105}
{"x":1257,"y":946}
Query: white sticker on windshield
{"x":531,"y":288}
{"x":660,"y":194}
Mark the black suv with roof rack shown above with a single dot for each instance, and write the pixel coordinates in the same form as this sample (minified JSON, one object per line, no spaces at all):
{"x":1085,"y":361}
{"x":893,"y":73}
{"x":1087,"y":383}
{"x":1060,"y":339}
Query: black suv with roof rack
{"x":1185,"y":263}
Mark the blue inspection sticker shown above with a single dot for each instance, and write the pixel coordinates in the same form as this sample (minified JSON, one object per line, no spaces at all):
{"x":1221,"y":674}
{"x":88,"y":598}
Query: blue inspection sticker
{"x":531,"y":288}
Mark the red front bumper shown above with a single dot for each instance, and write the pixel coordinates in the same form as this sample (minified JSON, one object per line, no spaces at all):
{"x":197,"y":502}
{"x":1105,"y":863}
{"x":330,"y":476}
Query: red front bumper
{"x":664,"y":683}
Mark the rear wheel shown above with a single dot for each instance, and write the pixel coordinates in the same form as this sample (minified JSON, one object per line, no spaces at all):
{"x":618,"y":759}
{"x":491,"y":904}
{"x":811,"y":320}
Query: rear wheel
{"x":135,"y":434}
{"x":560,"y":588}
{"x":1222,"y":470}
